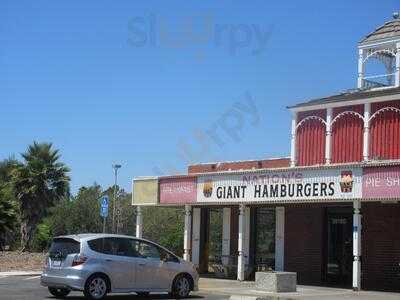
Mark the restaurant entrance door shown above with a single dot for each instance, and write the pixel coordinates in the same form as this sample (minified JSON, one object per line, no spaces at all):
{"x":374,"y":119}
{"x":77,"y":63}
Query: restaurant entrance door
{"x":339,"y":246}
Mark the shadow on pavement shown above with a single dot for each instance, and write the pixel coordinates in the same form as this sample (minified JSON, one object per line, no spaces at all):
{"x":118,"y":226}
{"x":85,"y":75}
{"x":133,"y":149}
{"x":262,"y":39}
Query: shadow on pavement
{"x":132,"y":296}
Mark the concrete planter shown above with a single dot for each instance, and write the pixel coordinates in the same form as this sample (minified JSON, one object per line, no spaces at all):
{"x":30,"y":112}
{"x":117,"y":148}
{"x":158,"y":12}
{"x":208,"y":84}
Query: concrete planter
{"x":276,"y":281}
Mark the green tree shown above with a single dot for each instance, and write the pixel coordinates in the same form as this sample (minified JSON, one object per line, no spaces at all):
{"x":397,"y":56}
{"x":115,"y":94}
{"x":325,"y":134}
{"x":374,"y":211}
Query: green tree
{"x":8,"y":214}
{"x":40,"y":182}
{"x":8,"y":203}
{"x":85,"y":215}
{"x":78,"y":214}
{"x":165,"y":226}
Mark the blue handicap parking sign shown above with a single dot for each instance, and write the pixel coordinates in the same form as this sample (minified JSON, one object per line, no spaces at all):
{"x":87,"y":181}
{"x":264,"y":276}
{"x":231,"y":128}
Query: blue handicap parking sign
{"x":104,"y":207}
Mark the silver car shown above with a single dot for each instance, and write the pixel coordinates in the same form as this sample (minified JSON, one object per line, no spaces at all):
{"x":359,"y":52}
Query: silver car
{"x":98,"y":264}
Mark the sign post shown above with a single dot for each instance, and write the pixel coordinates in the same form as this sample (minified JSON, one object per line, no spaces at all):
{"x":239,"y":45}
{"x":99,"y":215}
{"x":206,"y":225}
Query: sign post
{"x":104,"y":210}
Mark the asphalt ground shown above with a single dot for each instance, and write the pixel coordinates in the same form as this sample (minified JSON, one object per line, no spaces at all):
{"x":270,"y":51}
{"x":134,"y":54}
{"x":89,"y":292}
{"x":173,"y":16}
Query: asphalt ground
{"x":28,"y":287}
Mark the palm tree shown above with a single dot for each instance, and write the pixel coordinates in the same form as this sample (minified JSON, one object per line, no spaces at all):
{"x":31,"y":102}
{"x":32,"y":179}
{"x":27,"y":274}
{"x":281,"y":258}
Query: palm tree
{"x":39,"y":183}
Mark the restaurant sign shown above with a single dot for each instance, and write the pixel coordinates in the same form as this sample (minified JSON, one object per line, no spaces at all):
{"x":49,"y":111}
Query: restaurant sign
{"x":177,"y":190}
{"x":381,"y":182}
{"x":318,"y":184}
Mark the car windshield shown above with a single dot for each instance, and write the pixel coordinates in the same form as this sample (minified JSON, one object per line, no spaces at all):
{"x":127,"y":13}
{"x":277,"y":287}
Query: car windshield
{"x":61,"y":247}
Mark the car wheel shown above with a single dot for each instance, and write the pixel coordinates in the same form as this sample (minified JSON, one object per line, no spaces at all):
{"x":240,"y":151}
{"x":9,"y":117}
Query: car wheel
{"x":96,"y":287}
{"x":143,"y":294}
{"x":181,"y":287}
{"x":59,"y":292}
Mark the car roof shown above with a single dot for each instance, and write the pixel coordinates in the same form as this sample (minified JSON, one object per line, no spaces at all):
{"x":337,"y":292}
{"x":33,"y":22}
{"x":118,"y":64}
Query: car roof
{"x":88,"y":236}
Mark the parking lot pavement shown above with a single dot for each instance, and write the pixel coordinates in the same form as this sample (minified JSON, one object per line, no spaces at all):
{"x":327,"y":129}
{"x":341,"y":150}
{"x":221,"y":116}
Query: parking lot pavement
{"x":28,"y":287}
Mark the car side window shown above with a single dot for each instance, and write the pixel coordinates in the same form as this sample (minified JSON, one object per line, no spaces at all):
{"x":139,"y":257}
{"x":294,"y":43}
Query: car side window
{"x":168,"y":256}
{"x":103,"y":245}
{"x":146,"y":250}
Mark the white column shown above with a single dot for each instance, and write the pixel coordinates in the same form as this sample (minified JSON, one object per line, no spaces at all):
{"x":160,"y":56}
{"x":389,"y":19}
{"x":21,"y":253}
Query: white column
{"x":279,"y":238}
{"x":196,"y":216}
{"x":241,"y":242}
{"x":226,"y":235}
{"x":357,"y":245}
{"x":328,"y":136}
{"x":139,"y":222}
{"x":293,"y":140}
{"x":397,"y":70}
{"x":367,"y":113}
{"x":360,"y":68}
{"x":187,"y":233}
{"x":246,"y":246}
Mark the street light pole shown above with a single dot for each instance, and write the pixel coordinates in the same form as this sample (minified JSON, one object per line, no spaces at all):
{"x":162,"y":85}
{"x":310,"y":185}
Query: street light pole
{"x":115,"y":167}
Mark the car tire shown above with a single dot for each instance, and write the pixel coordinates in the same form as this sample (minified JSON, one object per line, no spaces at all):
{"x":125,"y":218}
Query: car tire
{"x":181,"y":286}
{"x":96,"y":287}
{"x":143,"y":294}
{"x":59,"y":292}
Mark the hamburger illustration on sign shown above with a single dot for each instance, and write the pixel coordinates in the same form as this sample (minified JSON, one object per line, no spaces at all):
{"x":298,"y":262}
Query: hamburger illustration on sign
{"x":207,"y":188}
{"x":346,"y":182}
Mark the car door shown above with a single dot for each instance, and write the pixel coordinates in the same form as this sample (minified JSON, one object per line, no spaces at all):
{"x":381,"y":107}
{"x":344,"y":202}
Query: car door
{"x":149,"y":273}
{"x":117,"y":260}
{"x":169,"y":267}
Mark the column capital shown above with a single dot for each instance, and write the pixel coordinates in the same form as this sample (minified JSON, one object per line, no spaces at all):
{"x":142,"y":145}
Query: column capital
{"x":357,"y":206}
{"x":188,"y":210}
{"x":138,"y":211}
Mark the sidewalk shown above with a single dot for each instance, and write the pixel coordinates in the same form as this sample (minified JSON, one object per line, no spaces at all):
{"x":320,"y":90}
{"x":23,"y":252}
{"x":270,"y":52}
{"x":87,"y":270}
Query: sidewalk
{"x":246,"y":291}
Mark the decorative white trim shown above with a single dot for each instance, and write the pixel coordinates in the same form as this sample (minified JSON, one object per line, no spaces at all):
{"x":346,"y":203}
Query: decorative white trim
{"x":310,"y":118}
{"x":377,"y":52}
{"x":388,"y":108}
{"x":347,"y":112}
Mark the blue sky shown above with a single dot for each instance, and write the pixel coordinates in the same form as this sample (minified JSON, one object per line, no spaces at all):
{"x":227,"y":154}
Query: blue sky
{"x":136,"y":83}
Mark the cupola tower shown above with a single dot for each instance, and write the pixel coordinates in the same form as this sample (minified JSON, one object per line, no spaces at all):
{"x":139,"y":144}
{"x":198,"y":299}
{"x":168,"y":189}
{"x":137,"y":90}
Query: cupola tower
{"x":379,"y":57}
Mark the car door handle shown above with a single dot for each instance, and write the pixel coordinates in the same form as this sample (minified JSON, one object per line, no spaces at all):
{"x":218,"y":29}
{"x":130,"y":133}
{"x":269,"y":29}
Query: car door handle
{"x":109,"y":260}
{"x":142,"y":264}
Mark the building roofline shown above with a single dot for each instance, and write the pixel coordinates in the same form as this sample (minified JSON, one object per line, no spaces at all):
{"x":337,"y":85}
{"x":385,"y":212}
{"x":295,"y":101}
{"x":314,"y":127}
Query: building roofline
{"x":369,"y":38}
{"x":238,"y":161}
{"x":348,"y":98}
{"x":372,"y":163}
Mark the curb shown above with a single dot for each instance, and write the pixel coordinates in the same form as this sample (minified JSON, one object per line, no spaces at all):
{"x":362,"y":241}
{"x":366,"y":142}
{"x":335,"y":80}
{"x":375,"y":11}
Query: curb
{"x":20,"y":273}
{"x":243,"y":297}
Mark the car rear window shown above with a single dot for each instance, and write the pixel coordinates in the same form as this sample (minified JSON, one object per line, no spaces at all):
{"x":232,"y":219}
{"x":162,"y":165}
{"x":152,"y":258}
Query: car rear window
{"x":61,"y":247}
